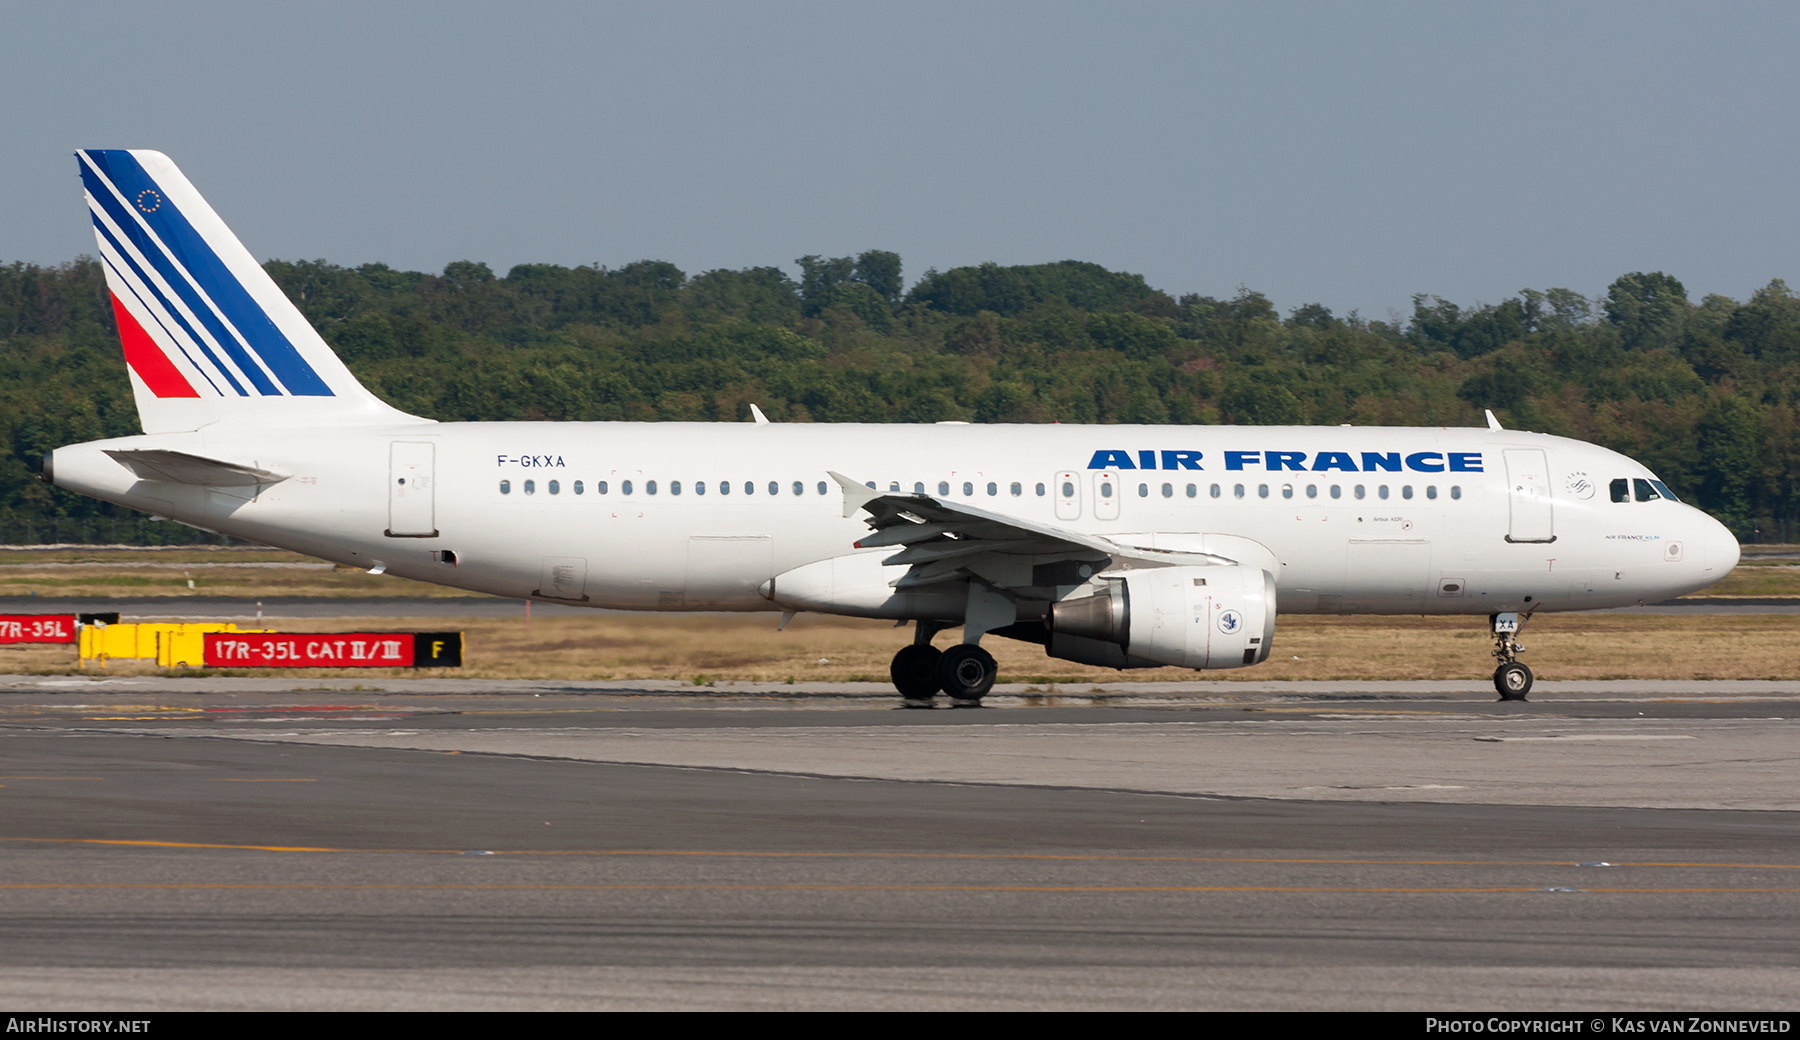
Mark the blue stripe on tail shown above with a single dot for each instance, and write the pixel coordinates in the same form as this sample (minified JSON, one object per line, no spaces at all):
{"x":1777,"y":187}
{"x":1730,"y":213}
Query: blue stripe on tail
{"x":169,"y":308}
{"x":208,"y":271}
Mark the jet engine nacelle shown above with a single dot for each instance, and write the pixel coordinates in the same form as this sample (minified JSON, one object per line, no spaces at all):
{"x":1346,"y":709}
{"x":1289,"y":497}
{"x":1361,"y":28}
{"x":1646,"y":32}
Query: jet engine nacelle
{"x":1192,"y":617}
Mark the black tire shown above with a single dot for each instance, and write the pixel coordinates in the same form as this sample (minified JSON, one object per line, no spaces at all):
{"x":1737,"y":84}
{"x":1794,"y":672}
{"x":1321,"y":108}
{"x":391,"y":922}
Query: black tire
{"x":967,"y":673}
{"x":915,"y":671}
{"x":1512,"y":681}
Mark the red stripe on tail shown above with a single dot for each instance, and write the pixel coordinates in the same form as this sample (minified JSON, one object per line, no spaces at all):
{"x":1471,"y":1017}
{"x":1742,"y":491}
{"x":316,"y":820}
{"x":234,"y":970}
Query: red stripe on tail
{"x":147,"y":359}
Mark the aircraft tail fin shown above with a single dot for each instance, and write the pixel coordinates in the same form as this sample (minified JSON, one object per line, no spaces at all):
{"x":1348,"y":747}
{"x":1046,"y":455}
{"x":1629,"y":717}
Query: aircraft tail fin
{"x":208,"y":335}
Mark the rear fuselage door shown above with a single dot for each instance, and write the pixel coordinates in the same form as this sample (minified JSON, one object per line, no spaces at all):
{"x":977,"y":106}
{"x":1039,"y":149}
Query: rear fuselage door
{"x":1528,"y":494}
{"x":412,"y":507}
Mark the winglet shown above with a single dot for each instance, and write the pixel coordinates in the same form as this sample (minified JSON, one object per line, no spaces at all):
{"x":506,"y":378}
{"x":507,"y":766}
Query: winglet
{"x":1493,"y":423}
{"x":855,"y":495}
{"x":757,"y":417}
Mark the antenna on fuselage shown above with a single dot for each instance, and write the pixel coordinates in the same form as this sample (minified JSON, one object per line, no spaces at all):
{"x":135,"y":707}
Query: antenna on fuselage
{"x":1493,"y":423}
{"x":757,"y":417}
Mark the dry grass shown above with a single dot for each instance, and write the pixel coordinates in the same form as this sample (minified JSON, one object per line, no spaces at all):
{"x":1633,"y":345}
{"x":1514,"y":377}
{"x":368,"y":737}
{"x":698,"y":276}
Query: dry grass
{"x":708,"y":648}
{"x":150,"y":573}
{"x":267,"y":573}
{"x":747,"y":647}
{"x":1759,"y":578}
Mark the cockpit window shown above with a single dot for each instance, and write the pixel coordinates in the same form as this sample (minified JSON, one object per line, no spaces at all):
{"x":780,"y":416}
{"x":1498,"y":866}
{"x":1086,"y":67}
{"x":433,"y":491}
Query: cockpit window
{"x":1663,"y":489}
{"x":1645,"y":493}
{"x":1621,"y":490}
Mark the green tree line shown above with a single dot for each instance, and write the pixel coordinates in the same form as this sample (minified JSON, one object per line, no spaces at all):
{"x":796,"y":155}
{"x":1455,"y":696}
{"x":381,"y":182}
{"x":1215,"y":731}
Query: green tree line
{"x":1704,"y":393}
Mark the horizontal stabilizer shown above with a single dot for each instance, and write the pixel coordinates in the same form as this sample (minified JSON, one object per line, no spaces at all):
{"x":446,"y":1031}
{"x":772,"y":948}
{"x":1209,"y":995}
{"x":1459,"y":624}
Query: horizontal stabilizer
{"x":182,"y":468}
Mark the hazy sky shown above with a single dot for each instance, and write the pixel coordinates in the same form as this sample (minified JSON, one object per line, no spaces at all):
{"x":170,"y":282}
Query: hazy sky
{"x":1348,"y":153}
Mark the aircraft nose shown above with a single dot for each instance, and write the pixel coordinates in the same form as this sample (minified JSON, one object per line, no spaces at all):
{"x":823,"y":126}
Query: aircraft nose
{"x":1722,"y":549}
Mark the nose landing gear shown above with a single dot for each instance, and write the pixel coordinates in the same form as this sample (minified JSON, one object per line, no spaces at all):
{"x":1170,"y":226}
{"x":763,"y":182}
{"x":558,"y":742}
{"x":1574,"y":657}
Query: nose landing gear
{"x":1512,"y":680}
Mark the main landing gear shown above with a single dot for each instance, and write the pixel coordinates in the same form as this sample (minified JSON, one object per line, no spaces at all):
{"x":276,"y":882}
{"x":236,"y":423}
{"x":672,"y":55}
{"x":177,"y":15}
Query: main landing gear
{"x":966,"y":672}
{"x":1512,"y":680}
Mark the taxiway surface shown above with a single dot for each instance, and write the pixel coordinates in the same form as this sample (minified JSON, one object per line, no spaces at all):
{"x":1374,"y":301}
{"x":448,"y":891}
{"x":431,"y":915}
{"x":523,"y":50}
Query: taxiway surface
{"x":456,"y":844}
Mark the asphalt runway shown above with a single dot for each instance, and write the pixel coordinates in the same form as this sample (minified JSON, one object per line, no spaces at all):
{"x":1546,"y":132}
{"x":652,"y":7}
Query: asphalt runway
{"x":448,"y":844}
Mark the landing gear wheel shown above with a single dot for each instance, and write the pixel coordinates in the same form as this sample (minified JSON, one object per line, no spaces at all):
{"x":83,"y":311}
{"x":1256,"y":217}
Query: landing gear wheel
{"x":915,"y":671}
{"x":967,"y":673}
{"x":1513,"y":681}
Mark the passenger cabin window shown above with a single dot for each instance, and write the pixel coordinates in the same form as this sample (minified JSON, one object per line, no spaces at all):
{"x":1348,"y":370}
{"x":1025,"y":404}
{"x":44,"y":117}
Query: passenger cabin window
{"x":1312,"y":491}
{"x":1262,"y":491}
{"x":556,"y":487}
{"x":600,"y":488}
{"x":1237,"y":491}
{"x":821,"y":487}
{"x":919,"y":487}
{"x":1360,"y":493}
{"x":1431,"y":491}
{"x":724,"y":487}
{"x":1143,"y":491}
{"x":1381,"y":492}
{"x":943,"y":487}
{"x":1040,"y":490}
{"x":649,"y":487}
{"x":1456,"y":491}
{"x":624,"y":487}
{"x":699,"y":487}
{"x":774,"y":488}
{"x":1287,"y":491}
{"x":1337,"y":491}
{"x":800,"y":489}
{"x":1621,"y":490}
{"x":1017,"y":489}
{"x":1168,"y":491}
{"x":530,"y":487}
{"x":506,"y":487}
{"x":578,"y":488}
{"x":968,"y":488}
{"x":750,"y":487}
{"x":1406,"y":492}
{"x":993,"y":489}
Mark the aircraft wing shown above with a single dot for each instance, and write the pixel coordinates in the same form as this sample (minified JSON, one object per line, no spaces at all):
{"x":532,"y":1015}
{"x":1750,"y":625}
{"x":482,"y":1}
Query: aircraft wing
{"x":942,"y":539}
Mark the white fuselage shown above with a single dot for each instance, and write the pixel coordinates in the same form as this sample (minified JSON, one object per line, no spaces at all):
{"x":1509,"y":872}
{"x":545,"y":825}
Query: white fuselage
{"x":708,"y":516}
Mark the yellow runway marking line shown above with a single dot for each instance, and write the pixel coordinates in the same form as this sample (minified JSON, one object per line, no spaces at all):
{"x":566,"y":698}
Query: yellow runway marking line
{"x":192,"y":845}
{"x":1460,"y":712}
{"x":997,"y":856}
{"x":719,"y":887}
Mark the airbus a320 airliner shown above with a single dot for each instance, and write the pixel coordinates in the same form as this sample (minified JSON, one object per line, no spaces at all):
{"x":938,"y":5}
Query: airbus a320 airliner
{"x":1119,"y":546}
